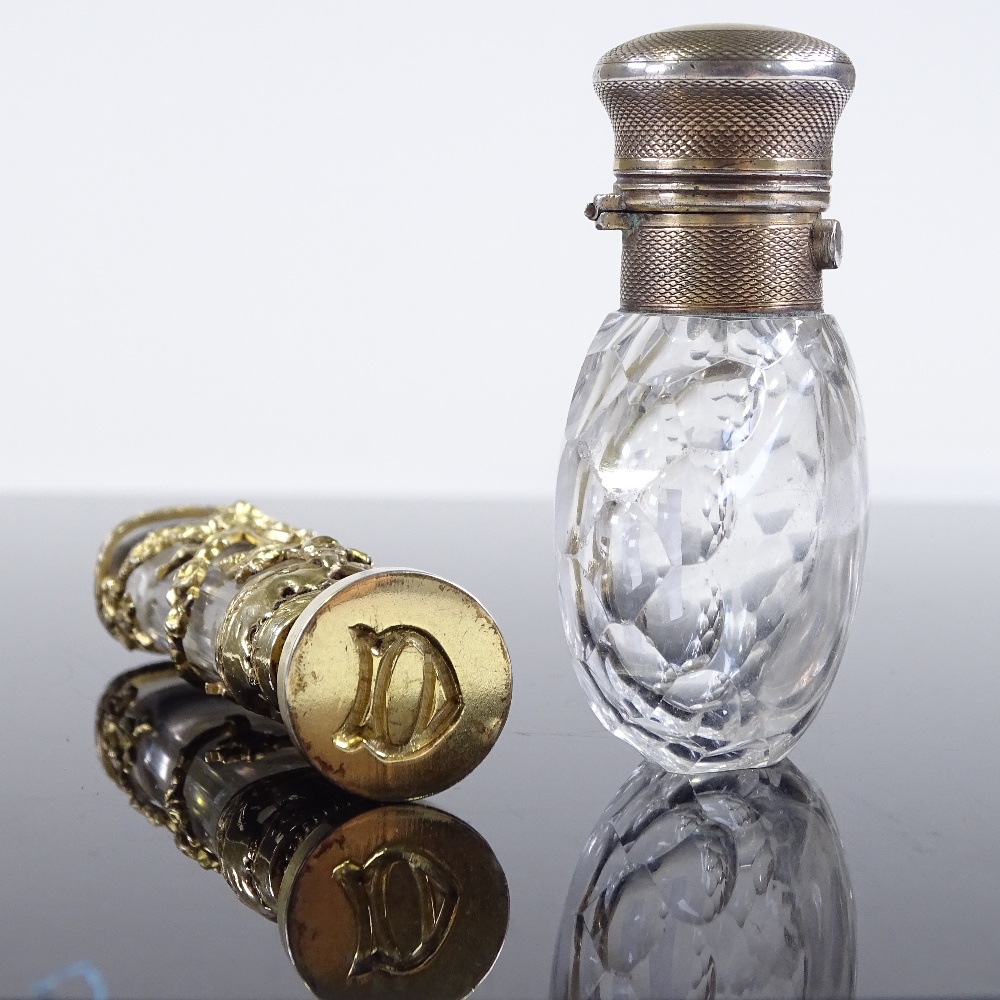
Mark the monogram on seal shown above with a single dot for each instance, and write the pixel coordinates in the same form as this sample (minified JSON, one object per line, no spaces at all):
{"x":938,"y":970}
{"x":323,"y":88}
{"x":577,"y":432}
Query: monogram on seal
{"x":408,"y":695}
{"x":394,"y":882}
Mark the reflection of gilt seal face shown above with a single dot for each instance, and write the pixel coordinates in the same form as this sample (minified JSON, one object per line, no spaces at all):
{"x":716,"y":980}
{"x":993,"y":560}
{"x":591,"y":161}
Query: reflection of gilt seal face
{"x":408,"y":695}
{"x":397,"y":901}
{"x":405,"y":904}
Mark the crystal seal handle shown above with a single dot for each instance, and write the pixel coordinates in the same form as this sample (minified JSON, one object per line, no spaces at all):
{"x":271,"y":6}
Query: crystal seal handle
{"x":712,"y":499}
{"x":394,"y":683}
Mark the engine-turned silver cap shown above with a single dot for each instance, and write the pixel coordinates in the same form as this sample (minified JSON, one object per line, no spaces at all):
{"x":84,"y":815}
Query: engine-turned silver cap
{"x":732,"y":121}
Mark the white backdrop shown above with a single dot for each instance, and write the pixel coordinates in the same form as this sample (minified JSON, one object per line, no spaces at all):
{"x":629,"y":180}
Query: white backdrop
{"x":339,"y":247}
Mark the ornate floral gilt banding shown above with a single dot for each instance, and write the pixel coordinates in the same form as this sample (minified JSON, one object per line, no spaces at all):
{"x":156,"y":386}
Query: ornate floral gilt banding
{"x":276,"y":568}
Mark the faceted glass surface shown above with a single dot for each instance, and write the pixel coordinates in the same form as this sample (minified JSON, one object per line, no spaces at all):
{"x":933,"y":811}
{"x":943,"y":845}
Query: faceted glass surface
{"x":711,"y":519}
{"x":730,"y":885}
{"x":208,"y":611}
{"x":149,"y":586}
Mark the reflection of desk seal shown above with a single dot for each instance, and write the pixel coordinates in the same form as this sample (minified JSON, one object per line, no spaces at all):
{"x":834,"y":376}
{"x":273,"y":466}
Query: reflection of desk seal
{"x":411,"y":902}
{"x":393,"y":683}
{"x":369,"y":899}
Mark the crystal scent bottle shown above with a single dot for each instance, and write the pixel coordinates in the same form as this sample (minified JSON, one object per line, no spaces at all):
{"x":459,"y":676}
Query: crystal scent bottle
{"x":712,"y":502}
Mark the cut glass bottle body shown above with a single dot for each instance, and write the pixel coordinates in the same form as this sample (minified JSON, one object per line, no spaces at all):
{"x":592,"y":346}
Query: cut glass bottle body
{"x":711,"y":520}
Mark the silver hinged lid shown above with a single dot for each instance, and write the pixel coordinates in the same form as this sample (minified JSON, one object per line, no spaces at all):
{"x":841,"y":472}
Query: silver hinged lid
{"x":723,"y":143}
{"x":725,"y":117}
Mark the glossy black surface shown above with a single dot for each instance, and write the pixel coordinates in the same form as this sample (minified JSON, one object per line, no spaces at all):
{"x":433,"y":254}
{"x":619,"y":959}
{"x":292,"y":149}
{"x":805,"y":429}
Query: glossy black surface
{"x":905,"y":753}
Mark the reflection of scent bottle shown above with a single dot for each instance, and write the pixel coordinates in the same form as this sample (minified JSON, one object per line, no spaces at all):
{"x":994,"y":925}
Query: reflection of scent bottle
{"x":712,"y":500}
{"x":721,"y":885}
